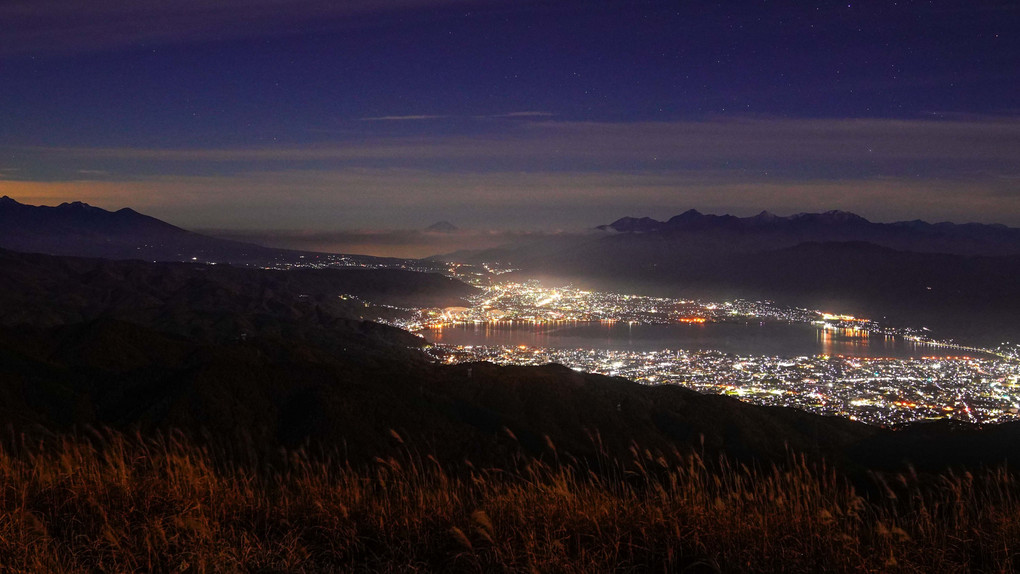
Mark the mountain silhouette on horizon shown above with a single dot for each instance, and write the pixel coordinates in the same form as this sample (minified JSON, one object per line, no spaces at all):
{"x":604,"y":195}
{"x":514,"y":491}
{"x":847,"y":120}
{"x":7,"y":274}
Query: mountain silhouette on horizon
{"x":442,"y":227}
{"x":82,"y":230}
{"x":961,"y":279}
{"x":770,"y":231}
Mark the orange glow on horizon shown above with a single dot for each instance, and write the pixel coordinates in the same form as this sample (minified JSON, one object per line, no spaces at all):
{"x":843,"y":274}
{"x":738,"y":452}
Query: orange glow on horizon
{"x":110,"y":195}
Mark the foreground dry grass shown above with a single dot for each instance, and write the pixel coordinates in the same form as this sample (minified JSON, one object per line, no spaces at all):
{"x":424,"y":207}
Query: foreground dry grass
{"x":127,"y":504}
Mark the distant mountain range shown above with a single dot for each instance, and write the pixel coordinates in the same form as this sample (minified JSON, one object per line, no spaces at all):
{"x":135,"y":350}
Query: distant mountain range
{"x":442,"y":227}
{"x":769,"y":231}
{"x":963,"y":279}
{"x":82,"y":230}
{"x":280,"y":358}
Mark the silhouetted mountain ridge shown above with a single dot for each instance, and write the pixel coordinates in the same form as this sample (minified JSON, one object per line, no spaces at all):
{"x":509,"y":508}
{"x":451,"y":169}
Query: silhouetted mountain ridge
{"x":769,"y":231}
{"x":215,"y":303}
{"x":281,"y":359}
{"x":968,"y":297}
{"x":961,"y":280}
{"x":81,"y":230}
{"x":442,"y":227}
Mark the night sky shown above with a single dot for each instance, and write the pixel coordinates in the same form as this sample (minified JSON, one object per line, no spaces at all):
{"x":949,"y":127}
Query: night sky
{"x":510,"y":115}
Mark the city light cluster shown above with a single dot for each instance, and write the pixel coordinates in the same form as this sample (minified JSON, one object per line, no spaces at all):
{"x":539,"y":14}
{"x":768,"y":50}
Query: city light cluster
{"x":979,"y":385}
{"x":529,"y":303}
{"x":880,"y":391}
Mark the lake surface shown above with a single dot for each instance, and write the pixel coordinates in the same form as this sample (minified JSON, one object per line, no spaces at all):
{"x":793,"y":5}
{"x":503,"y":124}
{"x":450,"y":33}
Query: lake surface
{"x":770,"y":338}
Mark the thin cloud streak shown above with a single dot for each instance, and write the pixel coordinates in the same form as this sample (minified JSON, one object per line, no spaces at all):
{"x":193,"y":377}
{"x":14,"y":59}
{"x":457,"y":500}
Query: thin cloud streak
{"x":524,"y":115}
{"x":380,"y":242}
{"x":551,"y":174}
{"x":400,"y":118}
{"x":388,"y":198}
{"x":57,"y":27}
{"x":991,"y":139}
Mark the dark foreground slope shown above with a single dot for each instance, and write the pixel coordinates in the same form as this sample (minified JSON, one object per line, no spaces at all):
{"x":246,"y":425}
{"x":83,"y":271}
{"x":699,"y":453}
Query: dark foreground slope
{"x":284,"y":393}
{"x":111,"y":502}
{"x":212,"y":302}
{"x":147,"y":347}
{"x":567,"y":473}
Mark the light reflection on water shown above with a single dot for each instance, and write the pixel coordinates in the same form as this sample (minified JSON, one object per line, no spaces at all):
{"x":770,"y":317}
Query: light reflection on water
{"x":753,"y":338}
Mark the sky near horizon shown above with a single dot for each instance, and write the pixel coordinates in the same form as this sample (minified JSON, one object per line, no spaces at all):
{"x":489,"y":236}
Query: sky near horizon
{"x":511,"y":115}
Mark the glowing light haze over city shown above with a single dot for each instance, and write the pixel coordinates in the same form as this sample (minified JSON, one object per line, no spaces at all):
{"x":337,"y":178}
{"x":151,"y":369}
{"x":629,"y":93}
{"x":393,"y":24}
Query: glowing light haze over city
{"x":495,"y":115}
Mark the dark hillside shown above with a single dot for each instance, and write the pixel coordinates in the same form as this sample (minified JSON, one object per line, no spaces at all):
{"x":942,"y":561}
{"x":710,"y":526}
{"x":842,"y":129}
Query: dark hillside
{"x":275,"y":359}
{"x":211,"y":302}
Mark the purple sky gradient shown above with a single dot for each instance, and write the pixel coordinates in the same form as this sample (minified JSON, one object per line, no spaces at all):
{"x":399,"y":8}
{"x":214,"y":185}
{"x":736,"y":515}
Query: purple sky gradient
{"x":499,"y":115}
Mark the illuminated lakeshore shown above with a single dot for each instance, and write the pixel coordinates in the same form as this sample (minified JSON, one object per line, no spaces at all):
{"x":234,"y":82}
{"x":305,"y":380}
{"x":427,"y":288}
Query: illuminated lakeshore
{"x":748,"y":337}
{"x":529,"y":304}
{"x":881,"y":391}
{"x":943,"y":379}
{"x":974,"y":384}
